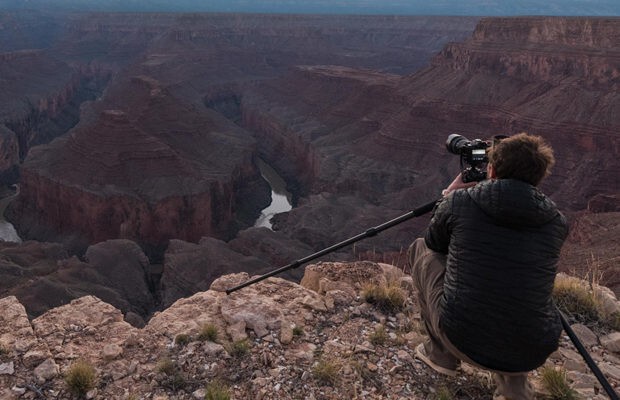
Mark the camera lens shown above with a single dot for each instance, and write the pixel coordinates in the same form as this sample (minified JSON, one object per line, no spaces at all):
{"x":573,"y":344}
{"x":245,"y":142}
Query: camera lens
{"x":455,"y":143}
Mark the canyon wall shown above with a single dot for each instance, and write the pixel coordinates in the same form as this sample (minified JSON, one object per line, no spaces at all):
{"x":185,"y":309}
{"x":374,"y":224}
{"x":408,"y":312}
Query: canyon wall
{"x":337,"y":105}
{"x":141,"y":167}
{"x":377,"y":146}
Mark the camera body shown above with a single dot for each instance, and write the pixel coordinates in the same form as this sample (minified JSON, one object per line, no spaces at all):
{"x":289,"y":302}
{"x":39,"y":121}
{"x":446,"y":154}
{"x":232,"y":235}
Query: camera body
{"x":473,"y":156}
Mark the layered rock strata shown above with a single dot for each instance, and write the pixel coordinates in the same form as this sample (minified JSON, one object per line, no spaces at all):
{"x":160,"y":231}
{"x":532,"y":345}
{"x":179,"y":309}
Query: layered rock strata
{"x":381,"y":138}
{"x":152,"y":168}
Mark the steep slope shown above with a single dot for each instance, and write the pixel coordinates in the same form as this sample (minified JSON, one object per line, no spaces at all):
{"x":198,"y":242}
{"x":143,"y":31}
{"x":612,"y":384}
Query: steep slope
{"x":380,"y":138}
{"x":146,"y":166}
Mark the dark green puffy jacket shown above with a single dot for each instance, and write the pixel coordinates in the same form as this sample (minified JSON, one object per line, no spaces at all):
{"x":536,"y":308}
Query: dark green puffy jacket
{"x":503,"y":239}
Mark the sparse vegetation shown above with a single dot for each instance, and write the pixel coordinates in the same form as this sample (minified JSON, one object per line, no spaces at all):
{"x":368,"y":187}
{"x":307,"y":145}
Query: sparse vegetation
{"x":4,"y":351}
{"x":379,"y":336}
{"x":208,"y":332}
{"x":555,"y":382}
{"x":239,"y":348}
{"x":173,"y":378}
{"x":298,"y":330}
{"x":81,"y":378}
{"x":166,"y":366}
{"x":579,"y":301}
{"x":326,"y":371}
{"x":389,"y":298}
{"x":217,"y":390}
{"x":182,"y":339}
{"x":443,"y":393}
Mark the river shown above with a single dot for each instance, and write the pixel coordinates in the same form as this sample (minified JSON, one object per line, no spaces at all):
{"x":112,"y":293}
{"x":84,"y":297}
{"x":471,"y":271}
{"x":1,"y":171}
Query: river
{"x":280,"y":202}
{"x":280,"y":198}
{"x":7,"y":230}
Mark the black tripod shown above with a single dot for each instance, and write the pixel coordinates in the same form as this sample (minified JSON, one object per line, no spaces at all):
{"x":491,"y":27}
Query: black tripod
{"x":386,"y":225}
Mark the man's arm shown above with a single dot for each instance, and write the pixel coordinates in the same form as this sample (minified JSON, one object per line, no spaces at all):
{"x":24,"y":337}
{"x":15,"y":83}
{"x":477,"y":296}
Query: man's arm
{"x":438,"y":233}
{"x":437,"y":236}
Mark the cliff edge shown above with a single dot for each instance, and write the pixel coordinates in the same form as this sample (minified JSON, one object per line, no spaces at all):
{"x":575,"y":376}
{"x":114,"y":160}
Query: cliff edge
{"x":272,"y":340}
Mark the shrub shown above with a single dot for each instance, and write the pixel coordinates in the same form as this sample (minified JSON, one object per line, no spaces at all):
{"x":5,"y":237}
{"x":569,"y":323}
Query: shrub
{"x":298,"y":330}
{"x":166,"y":366}
{"x":81,"y":378}
{"x":577,"y":300}
{"x":443,"y":393}
{"x":216,"y":390}
{"x":326,"y":371}
{"x":239,"y":348}
{"x":208,"y":332}
{"x":4,"y":351}
{"x":173,"y":378}
{"x":379,"y":336}
{"x":389,"y":298}
{"x":555,"y":382}
{"x":182,"y":339}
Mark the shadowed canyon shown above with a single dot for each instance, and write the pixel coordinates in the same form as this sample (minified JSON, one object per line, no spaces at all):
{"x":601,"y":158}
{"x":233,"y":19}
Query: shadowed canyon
{"x":134,"y":140}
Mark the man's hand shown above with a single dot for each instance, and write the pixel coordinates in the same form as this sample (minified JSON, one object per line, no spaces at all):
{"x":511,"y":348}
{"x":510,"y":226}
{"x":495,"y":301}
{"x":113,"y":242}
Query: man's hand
{"x":457,"y":183}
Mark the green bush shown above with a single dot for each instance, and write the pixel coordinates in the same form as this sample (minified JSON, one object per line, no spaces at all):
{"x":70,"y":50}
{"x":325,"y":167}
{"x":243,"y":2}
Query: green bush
{"x":182,"y":339}
{"x":239,"y":348}
{"x":208,"y":332}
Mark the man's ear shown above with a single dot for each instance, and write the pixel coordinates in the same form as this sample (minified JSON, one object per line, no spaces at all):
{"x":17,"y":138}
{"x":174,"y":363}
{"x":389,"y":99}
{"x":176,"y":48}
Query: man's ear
{"x":491,"y":172}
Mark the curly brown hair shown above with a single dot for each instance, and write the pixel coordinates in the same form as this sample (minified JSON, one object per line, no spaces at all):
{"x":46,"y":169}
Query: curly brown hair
{"x":524,"y":157}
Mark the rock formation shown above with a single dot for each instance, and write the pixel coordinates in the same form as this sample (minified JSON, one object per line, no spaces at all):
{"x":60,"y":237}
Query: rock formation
{"x":166,"y":154}
{"x":44,"y":276}
{"x":145,"y":166}
{"x":381,"y":138}
{"x":275,"y":339}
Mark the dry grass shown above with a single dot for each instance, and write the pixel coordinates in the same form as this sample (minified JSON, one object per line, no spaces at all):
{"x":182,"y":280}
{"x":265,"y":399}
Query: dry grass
{"x":81,"y":378}
{"x":326,"y":371}
{"x":173,"y":378}
{"x":217,"y":390}
{"x":379,"y":336}
{"x":555,"y":382}
{"x":4,"y":352}
{"x":208,"y":332}
{"x":389,"y":297}
{"x":238,"y":349}
{"x":577,"y":299}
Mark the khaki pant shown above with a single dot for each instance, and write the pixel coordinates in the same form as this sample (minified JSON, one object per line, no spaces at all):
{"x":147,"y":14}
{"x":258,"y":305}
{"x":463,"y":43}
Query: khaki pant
{"x":428,"y":268}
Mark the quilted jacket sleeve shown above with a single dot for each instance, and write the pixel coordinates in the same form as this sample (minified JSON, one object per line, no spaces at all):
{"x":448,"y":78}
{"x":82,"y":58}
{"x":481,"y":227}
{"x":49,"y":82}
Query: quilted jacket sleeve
{"x":437,"y":236}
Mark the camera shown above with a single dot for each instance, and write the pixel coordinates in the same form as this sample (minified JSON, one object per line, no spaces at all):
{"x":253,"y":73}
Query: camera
{"x":473,"y":156}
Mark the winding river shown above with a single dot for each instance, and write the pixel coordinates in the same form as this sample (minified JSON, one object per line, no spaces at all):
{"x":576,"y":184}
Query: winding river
{"x":7,"y":230}
{"x":280,"y":198}
{"x":280,"y":202}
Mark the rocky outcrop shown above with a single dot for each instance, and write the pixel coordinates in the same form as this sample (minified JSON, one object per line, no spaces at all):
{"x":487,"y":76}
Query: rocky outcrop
{"x":43,"y":276}
{"x":274,"y":338}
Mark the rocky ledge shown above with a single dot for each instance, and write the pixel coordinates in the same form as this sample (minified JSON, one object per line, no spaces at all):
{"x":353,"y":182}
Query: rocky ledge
{"x":272,"y":340}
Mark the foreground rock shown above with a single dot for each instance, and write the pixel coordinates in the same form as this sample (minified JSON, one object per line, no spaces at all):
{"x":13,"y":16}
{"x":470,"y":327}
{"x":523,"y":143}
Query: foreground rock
{"x":44,"y":276}
{"x":275,"y":339}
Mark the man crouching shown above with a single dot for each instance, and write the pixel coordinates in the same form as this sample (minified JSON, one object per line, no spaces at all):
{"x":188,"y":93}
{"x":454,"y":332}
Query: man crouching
{"x":485,"y":270}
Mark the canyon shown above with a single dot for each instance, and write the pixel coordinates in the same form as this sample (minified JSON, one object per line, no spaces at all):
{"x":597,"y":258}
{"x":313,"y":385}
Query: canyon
{"x":139,"y":134}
